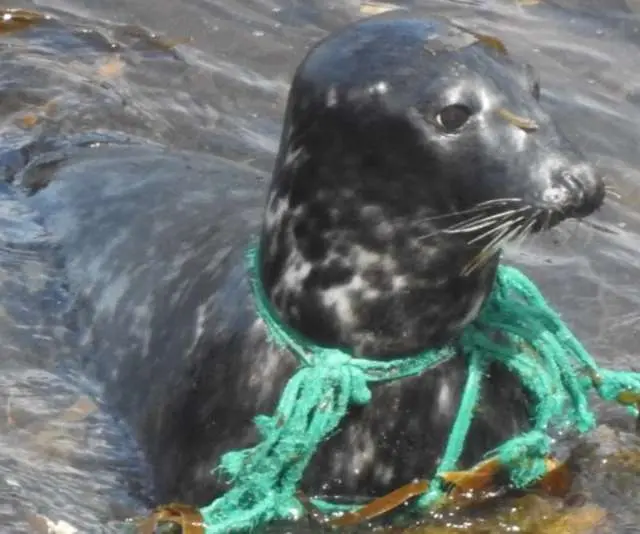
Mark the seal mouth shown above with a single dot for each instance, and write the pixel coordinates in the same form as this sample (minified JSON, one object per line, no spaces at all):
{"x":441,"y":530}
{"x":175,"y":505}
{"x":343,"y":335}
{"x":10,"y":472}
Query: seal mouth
{"x":548,"y":219}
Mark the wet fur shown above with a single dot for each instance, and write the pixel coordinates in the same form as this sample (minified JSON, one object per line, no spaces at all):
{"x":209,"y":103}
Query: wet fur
{"x":154,"y":246}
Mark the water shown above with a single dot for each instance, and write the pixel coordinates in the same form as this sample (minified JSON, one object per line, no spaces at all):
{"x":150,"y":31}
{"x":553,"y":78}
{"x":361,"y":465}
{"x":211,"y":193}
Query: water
{"x":212,"y":76}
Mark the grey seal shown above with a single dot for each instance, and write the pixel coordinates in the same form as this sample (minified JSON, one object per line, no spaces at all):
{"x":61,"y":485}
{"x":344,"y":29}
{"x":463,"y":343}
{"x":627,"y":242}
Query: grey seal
{"x":411,"y":152}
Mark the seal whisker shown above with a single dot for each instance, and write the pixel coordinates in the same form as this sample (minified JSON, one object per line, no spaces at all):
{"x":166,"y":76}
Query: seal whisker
{"x":502,"y":238}
{"x":512,"y":236}
{"x":530,"y":226}
{"x":547,"y":223}
{"x":493,"y":202}
{"x":489,"y":249}
{"x":476,"y":223}
{"x":473,"y":224}
{"x":509,"y":222}
{"x":480,"y":212}
{"x":513,"y":232}
{"x":474,"y":209}
{"x":525,"y":231}
{"x":478,"y":261}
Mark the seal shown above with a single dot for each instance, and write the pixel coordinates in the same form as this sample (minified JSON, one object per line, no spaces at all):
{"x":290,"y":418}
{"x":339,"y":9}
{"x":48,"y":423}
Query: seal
{"x":412,"y":152}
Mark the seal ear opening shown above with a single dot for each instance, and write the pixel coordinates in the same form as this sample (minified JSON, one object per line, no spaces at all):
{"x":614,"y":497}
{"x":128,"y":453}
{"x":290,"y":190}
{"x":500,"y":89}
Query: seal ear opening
{"x":532,"y":80}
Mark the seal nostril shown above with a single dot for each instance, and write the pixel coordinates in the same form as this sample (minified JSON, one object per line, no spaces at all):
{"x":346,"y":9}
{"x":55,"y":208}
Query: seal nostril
{"x":574,"y":185}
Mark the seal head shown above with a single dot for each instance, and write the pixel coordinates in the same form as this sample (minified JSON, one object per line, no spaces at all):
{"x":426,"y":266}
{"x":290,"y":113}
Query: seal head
{"x":412,"y":151}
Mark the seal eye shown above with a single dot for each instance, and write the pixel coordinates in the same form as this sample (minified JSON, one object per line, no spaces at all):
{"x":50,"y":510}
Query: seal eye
{"x":453,"y":117}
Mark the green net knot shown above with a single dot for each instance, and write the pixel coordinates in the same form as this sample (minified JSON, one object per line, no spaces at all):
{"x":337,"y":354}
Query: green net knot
{"x":622,"y":387}
{"x":345,"y":373}
{"x":525,"y":457}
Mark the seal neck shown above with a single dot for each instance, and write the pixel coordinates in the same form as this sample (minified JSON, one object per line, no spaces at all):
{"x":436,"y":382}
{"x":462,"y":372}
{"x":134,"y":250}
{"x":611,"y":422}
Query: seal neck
{"x":370,"y":300}
{"x":350,"y":259}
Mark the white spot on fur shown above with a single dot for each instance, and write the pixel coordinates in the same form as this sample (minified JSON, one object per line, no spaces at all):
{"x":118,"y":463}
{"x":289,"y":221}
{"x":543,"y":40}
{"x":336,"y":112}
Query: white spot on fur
{"x":296,"y":273}
{"x":277,"y":207}
{"x":330,"y":258}
{"x":198,"y":330}
{"x":363,"y":449}
{"x":109,"y":300}
{"x":261,"y":379}
{"x":362,"y":259}
{"x":365,"y":455}
{"x":379,"y":88}
{"x":295,"y":156}
{"x":265,"y":363}
{"x":398,"y":282}
{"x":370,"y":294}
{"x":365,"y":258}
{"x":444,"y":401}
{"x":339,"y":299}
{"x":384,"y":230}
{"x":256,"y":331}
{"x":444,"y":398}
{"x":332,"y":97}
{"x":140,"y":322}
{"x":384,"y":473}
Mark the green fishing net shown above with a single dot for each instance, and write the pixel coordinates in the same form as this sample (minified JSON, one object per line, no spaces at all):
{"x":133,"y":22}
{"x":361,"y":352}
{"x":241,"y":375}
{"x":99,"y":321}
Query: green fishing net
{"x":532,"y":342}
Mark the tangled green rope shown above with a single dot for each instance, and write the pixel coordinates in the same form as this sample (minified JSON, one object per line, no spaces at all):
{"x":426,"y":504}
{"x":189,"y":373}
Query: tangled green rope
{"x":516,"y":328}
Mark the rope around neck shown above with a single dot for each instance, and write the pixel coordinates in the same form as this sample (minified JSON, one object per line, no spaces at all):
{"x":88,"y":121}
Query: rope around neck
{"x":515,"y":328}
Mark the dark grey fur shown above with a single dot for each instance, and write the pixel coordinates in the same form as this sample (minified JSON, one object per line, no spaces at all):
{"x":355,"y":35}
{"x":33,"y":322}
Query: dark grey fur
{"x":354,"y":251}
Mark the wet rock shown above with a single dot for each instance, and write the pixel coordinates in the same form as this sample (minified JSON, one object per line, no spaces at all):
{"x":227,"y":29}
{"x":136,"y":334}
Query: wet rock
{"x":606,"y":463}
